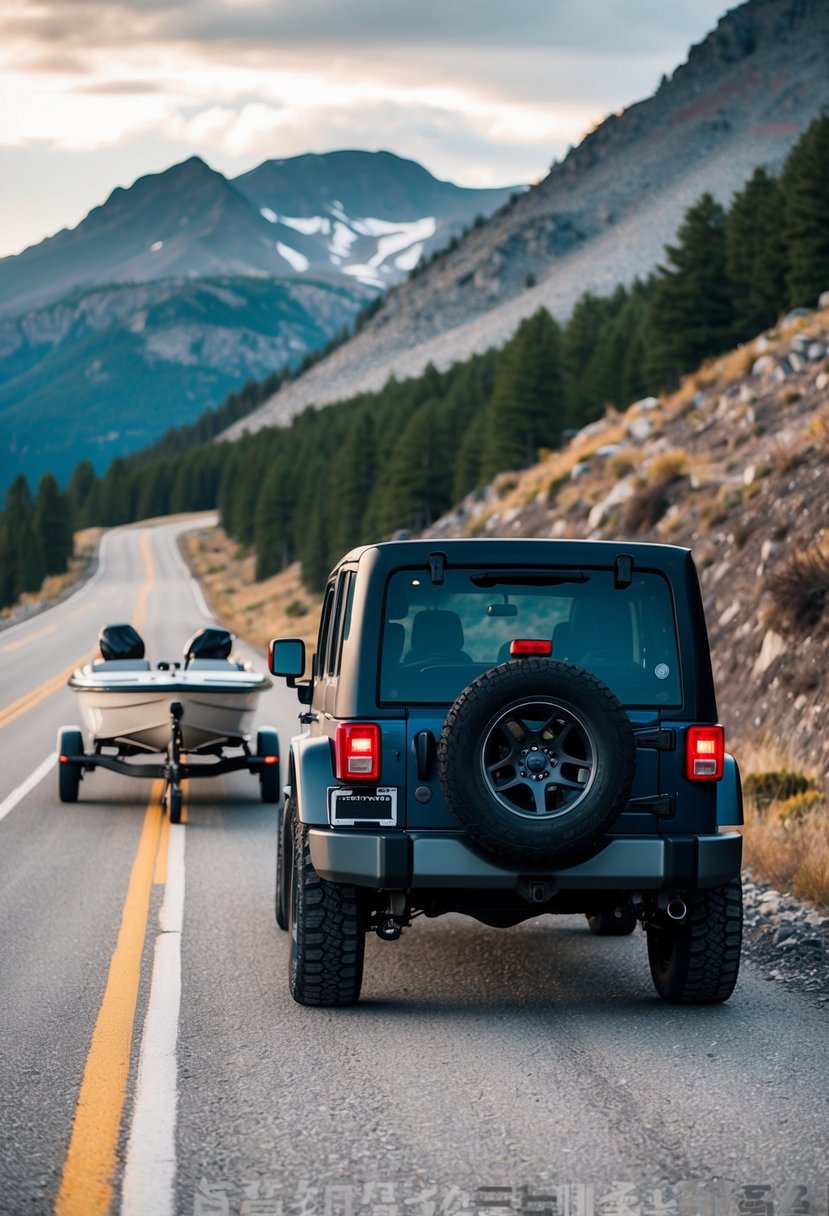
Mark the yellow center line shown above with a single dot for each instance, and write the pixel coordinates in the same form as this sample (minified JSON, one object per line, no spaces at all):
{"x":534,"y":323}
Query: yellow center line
{"x":33,"y":637}
{"x":30,"y":699}
{"x":140,"y":615}
{"x":86,"y":1187}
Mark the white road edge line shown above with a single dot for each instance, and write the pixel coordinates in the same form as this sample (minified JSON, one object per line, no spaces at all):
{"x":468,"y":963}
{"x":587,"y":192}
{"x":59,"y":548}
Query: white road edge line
{"x":35,"y":778}
{"x":195,"y":587}
{"x":150,"y":1171}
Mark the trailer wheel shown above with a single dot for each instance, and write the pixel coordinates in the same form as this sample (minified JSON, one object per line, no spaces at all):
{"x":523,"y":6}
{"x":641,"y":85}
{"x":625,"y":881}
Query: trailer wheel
{"x":175,"y":803}
{"x":70,"y":743}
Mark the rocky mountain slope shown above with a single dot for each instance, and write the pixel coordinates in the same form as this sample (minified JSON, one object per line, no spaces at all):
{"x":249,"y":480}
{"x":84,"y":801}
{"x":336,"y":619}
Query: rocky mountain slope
{"x":735,"y":465}
{"x":603,"y":215}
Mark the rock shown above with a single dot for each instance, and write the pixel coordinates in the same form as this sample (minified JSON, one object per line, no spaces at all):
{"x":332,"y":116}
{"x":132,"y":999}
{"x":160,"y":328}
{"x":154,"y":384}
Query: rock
{"x":816,"y":351}
{"x":784,"y":934}
{"x":772,"y":648}
{"x":770,"y":904}
{"x":647,"y":403}
{"x":823,"y":300}
{"x":763,"y":365}
{"x":640,"y":429}
{"x":782,"y":371}
{"x":822,"y":381}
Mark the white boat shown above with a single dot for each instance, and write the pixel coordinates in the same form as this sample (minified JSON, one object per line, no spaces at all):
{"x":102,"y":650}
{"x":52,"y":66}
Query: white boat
{"x":133,"y":707}
{"x":199,"y":708}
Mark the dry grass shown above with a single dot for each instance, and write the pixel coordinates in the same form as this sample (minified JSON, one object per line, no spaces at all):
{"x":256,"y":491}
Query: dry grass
{"x":668,"y":466}
{"x":791,"y":851}
{"x":785,"y":838}
{"x":278,"y":607}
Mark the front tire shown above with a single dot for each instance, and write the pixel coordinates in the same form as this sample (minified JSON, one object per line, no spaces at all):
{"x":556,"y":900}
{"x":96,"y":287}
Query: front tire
{"x":70,"y":743}
{"x":284,"y":853}
{"x":697,"y":961}
{"x":267,"y":747}
{"x":327,"y":925}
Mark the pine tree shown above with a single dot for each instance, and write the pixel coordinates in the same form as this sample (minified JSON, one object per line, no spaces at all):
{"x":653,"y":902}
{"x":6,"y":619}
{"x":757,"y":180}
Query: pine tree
{"x":527,"y":408}
{"x":79,"y":490}
{"x":588,"y":320}
{"x":52,"y":524}
{"x":805,"y":188}
{"x":755,"y":254}
{"x":272,"y":523}
{"x":24,"y":556}
{"x":417,"y":487}
{"x":691,"y":314}
{"x":352,"y":476}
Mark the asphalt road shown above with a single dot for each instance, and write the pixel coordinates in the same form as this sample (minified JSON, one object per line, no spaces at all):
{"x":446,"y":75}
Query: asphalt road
{"x":153,"y":1061}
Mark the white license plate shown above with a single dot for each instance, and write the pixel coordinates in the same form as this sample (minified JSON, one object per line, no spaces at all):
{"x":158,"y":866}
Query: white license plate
{"x":352,"y":808}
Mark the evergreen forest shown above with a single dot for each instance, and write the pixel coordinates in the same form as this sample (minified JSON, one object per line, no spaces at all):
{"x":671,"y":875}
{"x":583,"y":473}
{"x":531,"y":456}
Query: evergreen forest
{"x":398,"y":459}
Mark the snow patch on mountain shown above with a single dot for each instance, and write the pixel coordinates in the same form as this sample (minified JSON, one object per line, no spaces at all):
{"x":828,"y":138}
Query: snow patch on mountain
{"x":269,"y":215}
{"x":311,"y":225}
{"x":403,"y":238}
{"x":342,"y":240}
{"x":364,"y":274}
{"x":293,"y":257}
{"x":408,"y":260}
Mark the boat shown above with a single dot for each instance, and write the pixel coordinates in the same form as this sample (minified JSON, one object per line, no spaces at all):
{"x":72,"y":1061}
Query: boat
{"x":193,"y":712}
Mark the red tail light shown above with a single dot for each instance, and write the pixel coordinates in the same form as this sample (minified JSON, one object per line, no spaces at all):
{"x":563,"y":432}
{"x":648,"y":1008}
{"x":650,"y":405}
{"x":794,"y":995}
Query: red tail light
{"x":357,"y":751}
{"x":705,"y":753}
{"x":527,"y":646}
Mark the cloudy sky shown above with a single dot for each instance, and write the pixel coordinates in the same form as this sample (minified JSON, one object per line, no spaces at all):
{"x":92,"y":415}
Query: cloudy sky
{"x":94,"y":93}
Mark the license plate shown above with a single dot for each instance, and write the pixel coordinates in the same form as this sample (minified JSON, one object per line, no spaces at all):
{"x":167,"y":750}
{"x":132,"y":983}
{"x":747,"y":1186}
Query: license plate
{"x":353,"y":808}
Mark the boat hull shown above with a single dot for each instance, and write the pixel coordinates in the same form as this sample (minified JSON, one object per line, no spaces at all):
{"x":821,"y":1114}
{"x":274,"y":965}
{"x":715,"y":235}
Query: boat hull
{"x":133,"y":709}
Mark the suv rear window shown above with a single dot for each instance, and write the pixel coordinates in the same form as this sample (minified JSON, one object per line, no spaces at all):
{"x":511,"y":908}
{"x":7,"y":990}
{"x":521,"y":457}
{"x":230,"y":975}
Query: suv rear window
{"x":437,"y":637}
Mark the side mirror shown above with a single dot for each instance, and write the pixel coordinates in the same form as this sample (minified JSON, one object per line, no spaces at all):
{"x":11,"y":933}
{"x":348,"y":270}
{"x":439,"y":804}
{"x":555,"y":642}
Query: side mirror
{"x":286,"y":657}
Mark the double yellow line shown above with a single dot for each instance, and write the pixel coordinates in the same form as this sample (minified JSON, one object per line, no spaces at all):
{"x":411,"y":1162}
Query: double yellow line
{"x":86,"y":1187}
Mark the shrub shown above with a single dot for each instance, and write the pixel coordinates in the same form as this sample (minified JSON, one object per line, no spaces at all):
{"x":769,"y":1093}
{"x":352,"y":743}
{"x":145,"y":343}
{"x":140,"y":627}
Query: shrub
{"x":779,"y":785}
{"x":669,"y":466}
{"x":647,"y":506}
{"x":297,"y":608}
{"x":622,"y":464}
{"x":799,"y":805}
{"x":554,"y":487}
{"x":800,"y":592}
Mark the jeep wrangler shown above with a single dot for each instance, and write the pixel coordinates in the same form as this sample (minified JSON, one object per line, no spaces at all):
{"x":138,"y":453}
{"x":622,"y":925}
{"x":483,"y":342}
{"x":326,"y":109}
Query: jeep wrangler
{"x":505,"y":728}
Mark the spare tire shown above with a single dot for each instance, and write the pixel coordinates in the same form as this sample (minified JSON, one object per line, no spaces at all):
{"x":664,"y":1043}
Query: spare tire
{"x":536,"y":760}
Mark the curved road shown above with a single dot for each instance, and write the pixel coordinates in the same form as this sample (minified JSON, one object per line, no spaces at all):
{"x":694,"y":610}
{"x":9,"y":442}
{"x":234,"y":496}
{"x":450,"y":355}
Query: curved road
{"x":153,"y":1062}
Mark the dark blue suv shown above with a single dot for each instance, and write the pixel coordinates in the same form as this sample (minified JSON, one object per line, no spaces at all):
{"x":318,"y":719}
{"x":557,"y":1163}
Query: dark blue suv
{"x":504,"y":728}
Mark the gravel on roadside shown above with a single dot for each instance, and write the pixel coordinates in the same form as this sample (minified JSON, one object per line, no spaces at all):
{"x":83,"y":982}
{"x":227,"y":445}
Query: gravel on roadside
{"x":786,"y":939}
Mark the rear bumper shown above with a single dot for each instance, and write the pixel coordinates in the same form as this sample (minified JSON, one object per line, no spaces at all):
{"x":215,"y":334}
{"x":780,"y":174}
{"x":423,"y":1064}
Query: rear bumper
{"x":449,"y":861}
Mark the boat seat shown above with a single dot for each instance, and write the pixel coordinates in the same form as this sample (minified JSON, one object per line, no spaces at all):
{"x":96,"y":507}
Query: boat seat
{"x":121,"y":665}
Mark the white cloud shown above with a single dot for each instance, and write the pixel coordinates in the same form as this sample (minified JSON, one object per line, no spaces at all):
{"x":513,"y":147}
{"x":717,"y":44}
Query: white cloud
{"x":489,"y":99}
